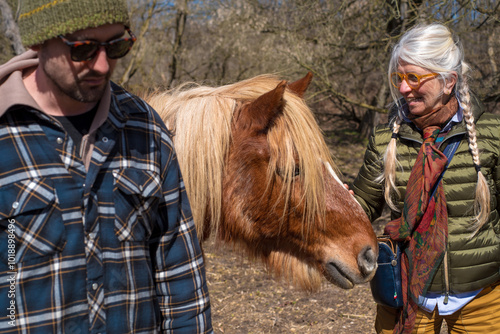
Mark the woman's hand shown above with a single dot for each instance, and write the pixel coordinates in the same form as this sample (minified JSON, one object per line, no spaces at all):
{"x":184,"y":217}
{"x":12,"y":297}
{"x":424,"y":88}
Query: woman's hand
{"x":347,"y":187}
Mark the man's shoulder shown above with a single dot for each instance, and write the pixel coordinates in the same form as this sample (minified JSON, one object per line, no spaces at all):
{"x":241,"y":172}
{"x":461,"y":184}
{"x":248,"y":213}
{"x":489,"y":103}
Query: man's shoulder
{"x":127,"y":104}
{"x":125,"y":99}
{"x":127,"y":109}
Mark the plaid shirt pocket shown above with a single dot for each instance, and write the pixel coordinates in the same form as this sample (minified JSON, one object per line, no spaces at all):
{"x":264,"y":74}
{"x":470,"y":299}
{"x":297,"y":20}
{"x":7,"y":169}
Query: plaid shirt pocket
{"x":29,"y":207}
{"x":137,"y":194}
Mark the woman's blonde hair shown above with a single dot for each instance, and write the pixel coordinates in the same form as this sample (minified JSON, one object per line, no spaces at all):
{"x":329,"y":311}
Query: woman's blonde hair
{"x":435,"y":48}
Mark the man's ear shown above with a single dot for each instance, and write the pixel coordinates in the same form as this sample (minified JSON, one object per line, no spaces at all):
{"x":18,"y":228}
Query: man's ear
{"x":450,"y":83}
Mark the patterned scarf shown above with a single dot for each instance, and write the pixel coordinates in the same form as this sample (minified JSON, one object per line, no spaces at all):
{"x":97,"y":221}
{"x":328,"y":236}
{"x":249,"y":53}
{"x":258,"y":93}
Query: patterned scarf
{"x":423,"y":225}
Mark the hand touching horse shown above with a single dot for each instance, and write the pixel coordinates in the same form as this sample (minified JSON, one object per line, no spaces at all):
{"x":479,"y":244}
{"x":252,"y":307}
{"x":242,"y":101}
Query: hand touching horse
{"x":259,"y":175}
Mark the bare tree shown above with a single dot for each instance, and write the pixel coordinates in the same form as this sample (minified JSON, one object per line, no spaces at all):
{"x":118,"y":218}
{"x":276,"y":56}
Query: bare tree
{"x":345,"y":43}
{"x":180,"y":25}
{"x":137,"y":55}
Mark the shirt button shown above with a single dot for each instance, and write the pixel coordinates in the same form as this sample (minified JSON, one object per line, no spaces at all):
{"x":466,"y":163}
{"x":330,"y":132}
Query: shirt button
{"x":15,"y":205}
{"x":95,"y":286}
{"x":104,"y":139}
{"x":59,"y":140}
{"x":141,"y":188}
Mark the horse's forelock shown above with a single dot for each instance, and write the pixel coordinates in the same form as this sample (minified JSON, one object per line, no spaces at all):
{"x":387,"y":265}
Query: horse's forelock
{"x":297,"y":136}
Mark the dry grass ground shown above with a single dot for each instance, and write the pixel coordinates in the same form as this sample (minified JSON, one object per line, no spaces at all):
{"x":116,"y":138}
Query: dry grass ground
{"x":245,"y":299}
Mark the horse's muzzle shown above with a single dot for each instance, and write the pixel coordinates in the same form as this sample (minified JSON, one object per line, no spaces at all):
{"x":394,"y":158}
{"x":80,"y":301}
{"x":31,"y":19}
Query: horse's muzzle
{"x":340,"y":274}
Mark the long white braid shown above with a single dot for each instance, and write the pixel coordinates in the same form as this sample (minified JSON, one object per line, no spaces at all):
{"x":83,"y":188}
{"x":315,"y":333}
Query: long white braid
{"x":482,"y":198}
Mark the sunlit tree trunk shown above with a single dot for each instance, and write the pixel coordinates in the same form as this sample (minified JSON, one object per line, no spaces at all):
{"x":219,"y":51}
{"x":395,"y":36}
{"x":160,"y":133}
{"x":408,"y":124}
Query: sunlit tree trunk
{"x":180,"y":25}
{"x":137,"y":55}
{"x":10,"y":28}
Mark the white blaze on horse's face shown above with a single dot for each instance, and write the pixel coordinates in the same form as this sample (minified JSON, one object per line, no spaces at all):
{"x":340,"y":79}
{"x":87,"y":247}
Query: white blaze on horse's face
{"x":332,"y":172}
{"x":335,"y":176}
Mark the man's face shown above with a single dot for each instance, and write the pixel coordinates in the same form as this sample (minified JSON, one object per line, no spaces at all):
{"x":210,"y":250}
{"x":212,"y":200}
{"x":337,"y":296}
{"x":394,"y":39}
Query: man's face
{"x":81,"y":81}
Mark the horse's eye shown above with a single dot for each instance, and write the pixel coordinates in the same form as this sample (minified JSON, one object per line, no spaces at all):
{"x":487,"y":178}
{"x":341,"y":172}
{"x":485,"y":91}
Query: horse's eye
{"x":296,"y":172}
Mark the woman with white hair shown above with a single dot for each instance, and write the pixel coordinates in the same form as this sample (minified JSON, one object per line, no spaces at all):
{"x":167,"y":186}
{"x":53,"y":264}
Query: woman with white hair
{"x":451,"y":235}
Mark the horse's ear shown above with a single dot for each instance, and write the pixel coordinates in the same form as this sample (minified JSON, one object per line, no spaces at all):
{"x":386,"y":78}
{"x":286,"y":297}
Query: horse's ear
{"x":261,"y":113}
{"x":300,"y":86}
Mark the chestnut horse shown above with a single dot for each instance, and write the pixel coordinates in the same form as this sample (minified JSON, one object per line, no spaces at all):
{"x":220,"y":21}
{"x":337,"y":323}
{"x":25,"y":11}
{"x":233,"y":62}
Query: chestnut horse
{"x":258,"y":174}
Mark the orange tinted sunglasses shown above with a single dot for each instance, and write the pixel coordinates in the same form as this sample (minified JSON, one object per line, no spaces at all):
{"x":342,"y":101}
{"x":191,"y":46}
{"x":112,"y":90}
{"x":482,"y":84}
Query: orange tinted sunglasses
{"x":412,"y":79}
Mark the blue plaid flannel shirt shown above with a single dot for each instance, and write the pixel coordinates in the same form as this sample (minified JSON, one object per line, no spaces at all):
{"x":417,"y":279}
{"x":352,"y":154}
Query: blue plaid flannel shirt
{"x":108,"y":250}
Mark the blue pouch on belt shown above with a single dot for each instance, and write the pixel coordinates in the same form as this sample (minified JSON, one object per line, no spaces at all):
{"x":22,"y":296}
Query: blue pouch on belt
{"x":386,"y":284}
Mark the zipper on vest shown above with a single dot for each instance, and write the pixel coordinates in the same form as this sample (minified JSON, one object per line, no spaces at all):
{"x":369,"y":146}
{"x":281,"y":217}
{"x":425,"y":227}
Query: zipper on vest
{"x":446,"y":278}
{"x":446,"y":271}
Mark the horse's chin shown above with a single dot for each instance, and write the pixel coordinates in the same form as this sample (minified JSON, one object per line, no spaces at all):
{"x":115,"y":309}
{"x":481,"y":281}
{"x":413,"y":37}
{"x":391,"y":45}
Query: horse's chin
{"x":338,"y":276}
{"x":346,"y":274}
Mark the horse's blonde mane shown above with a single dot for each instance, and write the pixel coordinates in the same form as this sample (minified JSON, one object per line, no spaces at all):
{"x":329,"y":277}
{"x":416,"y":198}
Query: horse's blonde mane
{"x":200,"y":118}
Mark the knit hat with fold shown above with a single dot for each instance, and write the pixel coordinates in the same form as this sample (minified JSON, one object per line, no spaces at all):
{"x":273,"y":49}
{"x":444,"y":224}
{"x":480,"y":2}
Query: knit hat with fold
{"x":41,"y":20}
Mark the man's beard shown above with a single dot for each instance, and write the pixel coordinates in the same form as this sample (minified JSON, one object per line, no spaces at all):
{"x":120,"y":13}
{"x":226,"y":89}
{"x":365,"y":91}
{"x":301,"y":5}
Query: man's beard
{"x":79,"y":90}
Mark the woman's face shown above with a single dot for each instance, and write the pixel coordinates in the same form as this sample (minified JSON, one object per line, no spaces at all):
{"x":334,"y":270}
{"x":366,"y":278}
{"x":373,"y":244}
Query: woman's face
{"x":431,"y":94}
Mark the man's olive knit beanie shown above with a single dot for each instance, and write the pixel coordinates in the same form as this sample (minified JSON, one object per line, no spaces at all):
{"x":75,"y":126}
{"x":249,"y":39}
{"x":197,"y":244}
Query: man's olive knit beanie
{"x":41,"y":20}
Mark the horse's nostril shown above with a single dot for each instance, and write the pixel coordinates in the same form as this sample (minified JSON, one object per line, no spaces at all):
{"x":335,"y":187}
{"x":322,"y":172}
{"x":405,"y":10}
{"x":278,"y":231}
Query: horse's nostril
{"x":367,"y":260}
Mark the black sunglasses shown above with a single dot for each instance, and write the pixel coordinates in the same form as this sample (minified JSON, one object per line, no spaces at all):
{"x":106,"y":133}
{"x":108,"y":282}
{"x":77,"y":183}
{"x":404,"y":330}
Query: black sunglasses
{"x":86,"y":50}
